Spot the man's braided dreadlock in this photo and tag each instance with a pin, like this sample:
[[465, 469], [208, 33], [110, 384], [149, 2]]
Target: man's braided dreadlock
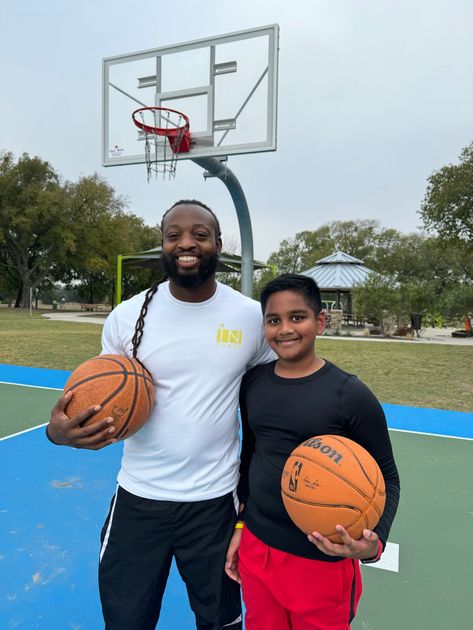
[[140, 323]]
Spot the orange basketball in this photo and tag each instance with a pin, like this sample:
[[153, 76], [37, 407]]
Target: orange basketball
[[330, 480], [121, 385]]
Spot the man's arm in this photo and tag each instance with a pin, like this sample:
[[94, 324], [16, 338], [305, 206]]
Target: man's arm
[[65, 431]]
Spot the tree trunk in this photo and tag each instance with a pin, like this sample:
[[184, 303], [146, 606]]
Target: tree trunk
[[26, 293], [18, 296]]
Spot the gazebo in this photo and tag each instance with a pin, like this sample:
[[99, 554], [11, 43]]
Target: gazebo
[[338, 274], [151, 259]]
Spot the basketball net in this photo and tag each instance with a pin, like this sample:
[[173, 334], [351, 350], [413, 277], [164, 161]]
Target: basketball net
[[166, 134]]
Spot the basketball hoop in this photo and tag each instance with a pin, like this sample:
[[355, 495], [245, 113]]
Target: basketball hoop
[[166, 134]]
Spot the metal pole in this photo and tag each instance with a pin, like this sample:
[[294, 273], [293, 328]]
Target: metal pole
[[31, 301], [217, 168]]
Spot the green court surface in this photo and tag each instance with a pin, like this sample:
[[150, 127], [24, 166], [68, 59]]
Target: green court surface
[[425, 579], [24, 407], [433, 589]]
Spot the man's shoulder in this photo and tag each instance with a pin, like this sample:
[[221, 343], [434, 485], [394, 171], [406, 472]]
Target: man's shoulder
[[243, 301], [130, 306]]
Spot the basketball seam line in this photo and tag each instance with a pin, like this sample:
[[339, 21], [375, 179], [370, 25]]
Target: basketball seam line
[[370, 499], [105, 357], [327, 505], [334, 438], [124, 428]]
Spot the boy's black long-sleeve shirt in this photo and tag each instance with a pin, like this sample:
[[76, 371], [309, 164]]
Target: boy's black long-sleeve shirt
[[280, 413]]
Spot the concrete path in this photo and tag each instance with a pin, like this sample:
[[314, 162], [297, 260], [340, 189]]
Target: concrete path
[[429, 335], [83, 318]]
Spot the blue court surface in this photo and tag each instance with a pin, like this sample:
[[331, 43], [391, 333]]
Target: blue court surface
[[53, 502]]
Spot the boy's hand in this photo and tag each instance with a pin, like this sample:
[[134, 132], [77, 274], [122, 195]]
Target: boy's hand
[[67, 431], [231, 564], [364, 548]]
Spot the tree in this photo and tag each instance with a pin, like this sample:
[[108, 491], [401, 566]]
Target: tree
[[34, 227], [378, 299], [102, 230], [364, 239], [448, 204], [291, 257]]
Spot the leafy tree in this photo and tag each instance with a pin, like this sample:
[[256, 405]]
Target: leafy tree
[[378, 298], [448, 204], [426, 268], [364, 239], [102, 230], [456, 302], [292, 255], [34, 227]]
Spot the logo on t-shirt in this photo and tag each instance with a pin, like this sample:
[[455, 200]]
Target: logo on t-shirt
[[227, 338]]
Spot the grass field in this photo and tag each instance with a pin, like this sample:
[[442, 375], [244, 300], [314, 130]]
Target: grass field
[[405, 373], [39, 342]]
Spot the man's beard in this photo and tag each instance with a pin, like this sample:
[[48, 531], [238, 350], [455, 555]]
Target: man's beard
[[206, 270]]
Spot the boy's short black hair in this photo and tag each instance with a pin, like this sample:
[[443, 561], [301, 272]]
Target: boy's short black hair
[[304, 285]]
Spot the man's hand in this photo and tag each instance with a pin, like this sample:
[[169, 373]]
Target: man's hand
[[364, 548], [231, 564], [67, 431]]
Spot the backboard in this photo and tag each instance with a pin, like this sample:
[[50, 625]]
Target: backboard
[[226, 85]]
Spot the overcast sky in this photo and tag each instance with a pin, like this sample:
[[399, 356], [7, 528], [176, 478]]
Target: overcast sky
[[373, 97]]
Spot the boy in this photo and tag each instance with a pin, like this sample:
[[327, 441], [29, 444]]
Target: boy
[[290, 581]]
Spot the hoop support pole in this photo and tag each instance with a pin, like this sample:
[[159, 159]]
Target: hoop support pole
[[219, 169]]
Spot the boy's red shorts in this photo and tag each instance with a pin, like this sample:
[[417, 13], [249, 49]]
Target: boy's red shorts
[[282, 591]]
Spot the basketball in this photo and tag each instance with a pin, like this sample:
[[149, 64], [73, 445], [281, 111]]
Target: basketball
[[330, 480], [121, 385]]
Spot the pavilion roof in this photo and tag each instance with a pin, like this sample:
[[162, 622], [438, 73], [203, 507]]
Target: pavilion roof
[[339, 272]]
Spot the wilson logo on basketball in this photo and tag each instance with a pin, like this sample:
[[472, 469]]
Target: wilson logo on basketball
[[327, 450], [330, 492]]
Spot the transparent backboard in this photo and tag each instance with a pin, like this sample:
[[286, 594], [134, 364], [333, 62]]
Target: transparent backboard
[[226, 85]]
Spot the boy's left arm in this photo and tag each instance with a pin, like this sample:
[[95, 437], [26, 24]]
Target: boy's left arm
[[366, 425]]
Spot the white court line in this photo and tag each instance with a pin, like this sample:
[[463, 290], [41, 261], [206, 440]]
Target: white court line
[[389, 560], [38, 426], [452, 437], [32, 386]]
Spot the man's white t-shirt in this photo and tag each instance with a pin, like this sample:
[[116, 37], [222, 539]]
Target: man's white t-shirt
[[197, 354]]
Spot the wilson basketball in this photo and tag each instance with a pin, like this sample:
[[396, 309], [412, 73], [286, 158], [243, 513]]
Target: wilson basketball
[[330, 480], [121, 385]]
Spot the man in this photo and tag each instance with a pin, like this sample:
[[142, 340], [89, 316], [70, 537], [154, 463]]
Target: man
[[176, 485]]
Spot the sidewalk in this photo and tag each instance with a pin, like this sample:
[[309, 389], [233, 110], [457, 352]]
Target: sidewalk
[[429, 335], [83, 318]]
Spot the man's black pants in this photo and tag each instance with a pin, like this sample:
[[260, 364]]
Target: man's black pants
[[139, 539]]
